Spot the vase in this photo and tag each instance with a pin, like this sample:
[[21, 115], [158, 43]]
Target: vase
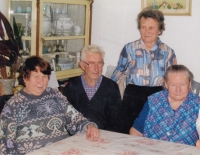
[[7, 85], [77, 31]]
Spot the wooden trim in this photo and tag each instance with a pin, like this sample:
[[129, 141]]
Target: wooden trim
[[68, 73], [90, 28], [37, 27]]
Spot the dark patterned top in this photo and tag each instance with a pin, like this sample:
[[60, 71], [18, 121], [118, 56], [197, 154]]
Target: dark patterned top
[[30, 122]]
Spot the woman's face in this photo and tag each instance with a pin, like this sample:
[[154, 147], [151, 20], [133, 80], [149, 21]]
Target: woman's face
[[36, 83], [178, 86], [149, 30]]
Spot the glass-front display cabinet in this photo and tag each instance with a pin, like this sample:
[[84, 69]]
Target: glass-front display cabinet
[[56, 30], [23, 12]]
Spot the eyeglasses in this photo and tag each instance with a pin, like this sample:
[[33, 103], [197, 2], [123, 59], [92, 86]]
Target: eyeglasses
[[93, 64]]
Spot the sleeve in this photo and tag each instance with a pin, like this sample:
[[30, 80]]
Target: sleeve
[[112, 109], [75, 122], [67, 92], [139, 122], [198, 124], [122, 65], [172, 59], [8, 127]]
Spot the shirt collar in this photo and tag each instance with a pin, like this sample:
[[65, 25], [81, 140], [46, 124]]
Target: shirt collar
[[156, 45], [95, 86]]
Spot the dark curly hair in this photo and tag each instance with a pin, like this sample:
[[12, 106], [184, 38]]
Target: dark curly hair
[[154, 14], [30, 64]]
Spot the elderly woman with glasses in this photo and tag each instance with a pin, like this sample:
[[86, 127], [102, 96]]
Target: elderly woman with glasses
[[171, 114], [92, 94]]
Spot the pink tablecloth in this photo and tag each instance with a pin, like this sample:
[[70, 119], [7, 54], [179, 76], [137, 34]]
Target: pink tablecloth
[[111, 143]]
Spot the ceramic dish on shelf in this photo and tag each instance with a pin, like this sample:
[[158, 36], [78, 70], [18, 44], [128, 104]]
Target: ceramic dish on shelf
[[64, 23], [65, 32], [19, 9], [65, 63], [64, 19], [62, 15], [66, 66]]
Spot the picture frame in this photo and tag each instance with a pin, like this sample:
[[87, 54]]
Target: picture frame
[[169, 7]]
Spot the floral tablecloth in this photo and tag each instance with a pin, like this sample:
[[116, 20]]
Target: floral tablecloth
[[112, 143]]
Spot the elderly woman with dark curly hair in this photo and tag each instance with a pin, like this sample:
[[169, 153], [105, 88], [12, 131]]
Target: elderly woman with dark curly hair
[[37, 115]]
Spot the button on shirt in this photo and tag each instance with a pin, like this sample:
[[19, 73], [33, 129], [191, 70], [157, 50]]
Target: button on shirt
[[90, 91], [144, 67]]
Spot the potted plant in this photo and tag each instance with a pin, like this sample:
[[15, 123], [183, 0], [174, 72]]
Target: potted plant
[[9, 50]]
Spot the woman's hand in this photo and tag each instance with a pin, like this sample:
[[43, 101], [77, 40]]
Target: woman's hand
[[198, 144], [92, 132]]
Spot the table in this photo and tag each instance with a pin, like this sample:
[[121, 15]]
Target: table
[[112, 143]]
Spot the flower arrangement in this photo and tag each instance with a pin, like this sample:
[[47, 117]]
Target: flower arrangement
[[9, 48]]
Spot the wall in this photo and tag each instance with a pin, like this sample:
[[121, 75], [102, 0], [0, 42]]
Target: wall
[[3, 6], [114, 24]]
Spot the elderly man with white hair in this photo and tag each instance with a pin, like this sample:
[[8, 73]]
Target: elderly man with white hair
[[94, 95]]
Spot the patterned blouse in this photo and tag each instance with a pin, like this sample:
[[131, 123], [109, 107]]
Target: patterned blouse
[[30, 122], [144, 67], [166, 124]]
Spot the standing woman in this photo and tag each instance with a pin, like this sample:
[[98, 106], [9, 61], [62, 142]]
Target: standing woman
[[145, 62]]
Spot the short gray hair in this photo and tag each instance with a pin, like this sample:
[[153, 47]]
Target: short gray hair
[[154, 14], [91, 49], [178, 68]]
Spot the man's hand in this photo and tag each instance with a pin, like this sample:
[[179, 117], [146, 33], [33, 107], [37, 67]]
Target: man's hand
[[92, 132], [198, 144]]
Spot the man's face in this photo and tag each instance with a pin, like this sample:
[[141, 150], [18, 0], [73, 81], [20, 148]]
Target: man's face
[[178, 86], [92, 66]]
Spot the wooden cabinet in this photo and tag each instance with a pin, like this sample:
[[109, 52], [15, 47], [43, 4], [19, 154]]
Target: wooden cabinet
[[56, 30]]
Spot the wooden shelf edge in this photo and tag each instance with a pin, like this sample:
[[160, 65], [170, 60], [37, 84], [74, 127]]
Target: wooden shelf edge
[[68, 73]]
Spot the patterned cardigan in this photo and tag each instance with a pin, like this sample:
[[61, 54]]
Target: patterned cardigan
[[30, 122]]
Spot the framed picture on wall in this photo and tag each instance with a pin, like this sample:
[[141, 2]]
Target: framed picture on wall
[[169, 7]]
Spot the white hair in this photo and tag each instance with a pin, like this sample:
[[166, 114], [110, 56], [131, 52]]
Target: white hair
[[91, 49]]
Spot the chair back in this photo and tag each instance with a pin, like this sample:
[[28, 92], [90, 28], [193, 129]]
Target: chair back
[[196, 87], [110, 70]]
